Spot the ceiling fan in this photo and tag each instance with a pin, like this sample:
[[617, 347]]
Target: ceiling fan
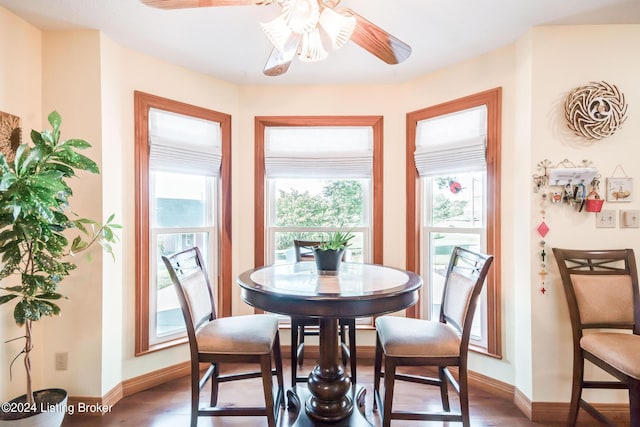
[[296, 31]]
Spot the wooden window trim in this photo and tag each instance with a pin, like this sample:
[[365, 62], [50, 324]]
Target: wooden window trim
[[142, 103], [493, 100], [375, 122]]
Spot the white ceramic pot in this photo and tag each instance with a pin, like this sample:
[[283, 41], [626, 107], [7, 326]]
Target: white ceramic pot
[[51, 404]]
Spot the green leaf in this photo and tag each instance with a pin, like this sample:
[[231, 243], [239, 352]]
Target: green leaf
[[6, 298], [55, 120], [50, 295], [76, 143]]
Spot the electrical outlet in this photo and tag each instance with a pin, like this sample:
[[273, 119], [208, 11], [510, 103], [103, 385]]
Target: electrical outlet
[[62, 361], [629, 218], [606, 219]]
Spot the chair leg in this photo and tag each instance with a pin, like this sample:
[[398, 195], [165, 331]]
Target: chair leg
[[294, 352], [343, 343], [444, 392], [377, 368], [277, 355], [576, 389], [463, 383], [215, 384], [267, 385], [389, 380], [301, 347], [634, 403], [353, 356], [195, 392]]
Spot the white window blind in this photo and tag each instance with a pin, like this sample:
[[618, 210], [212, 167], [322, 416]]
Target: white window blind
[[319, 152], [184, 144], [452, 143]]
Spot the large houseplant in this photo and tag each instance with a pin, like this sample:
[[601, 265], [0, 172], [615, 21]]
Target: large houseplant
[[329, 253], [35, 248]]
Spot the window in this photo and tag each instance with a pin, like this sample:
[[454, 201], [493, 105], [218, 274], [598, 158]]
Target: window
[[318, 181], [182, 158], [314, 175], [453, 200]]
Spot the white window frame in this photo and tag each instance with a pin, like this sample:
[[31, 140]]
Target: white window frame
[[427, 249], [211, 230]]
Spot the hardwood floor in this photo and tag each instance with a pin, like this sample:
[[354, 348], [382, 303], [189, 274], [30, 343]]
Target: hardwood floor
[[167, 405]]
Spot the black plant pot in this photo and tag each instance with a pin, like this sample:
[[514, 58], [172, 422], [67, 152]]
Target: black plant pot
[[328, 261]]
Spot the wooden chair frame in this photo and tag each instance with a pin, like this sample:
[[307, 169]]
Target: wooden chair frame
[[190, 261], [598, 262], [305, 326], [474, 267]]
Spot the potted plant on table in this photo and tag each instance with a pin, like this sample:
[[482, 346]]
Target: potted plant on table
[[35, 250], [330, 252]]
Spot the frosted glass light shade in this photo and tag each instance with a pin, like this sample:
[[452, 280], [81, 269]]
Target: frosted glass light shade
[[278, 32], [312, 49], [339, 27]]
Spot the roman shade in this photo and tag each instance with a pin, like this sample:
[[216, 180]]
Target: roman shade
[[184, 144]]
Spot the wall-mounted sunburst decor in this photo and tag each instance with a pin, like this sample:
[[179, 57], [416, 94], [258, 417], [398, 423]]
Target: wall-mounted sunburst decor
[[10, 135], [596, 110]]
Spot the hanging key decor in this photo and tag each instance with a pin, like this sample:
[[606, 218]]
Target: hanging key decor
[[543, 230], [562, 184]]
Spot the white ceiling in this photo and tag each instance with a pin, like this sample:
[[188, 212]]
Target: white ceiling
[[227, 42]]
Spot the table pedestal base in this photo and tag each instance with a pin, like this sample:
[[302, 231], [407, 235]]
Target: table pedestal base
[[299, 395]]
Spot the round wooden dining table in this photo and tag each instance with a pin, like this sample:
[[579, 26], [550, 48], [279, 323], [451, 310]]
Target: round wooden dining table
[[359, 290]]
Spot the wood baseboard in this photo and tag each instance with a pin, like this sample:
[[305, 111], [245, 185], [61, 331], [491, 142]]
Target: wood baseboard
[[99, 406], [555, 412]]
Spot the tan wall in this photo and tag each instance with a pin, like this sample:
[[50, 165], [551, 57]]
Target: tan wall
[[20, 92], [534, 78]]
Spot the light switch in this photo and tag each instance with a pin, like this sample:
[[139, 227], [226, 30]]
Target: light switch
[[606, 219], [629, 218]]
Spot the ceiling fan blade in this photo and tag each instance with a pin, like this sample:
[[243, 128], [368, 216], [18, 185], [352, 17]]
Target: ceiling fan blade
[[377, 41], [183, 4], [278, 62]]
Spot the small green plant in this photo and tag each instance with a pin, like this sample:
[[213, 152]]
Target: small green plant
[[34, 221], [337, 240]]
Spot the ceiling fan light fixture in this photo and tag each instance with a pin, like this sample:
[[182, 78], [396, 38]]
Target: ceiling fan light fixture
[[278, 32], [312, 49], [338, 27], [302, 16]]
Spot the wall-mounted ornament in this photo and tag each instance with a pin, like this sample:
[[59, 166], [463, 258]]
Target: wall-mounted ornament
[[10, 135], [596, 110], [619, 188]]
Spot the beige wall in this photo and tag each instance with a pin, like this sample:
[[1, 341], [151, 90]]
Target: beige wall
[[536, 72], [20, 95]]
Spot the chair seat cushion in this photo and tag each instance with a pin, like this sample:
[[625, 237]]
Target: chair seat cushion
[[252, 334], [405, 337], [622, 351]]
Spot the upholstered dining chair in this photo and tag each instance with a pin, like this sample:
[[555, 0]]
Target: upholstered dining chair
[[213, 340], [304, 326], [601, 287], [403, 341]]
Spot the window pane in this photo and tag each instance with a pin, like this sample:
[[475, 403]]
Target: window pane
[[180, 200], [285, 252], [440, 248], [168, 314], [457, 201], [320, 202]]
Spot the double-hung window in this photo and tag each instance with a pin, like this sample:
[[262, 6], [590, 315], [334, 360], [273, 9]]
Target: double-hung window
[[319, 180], [182, 157], [455, 146], [315, 175]]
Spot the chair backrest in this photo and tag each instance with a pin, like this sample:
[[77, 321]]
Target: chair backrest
[[601, 287], [304, 249], [463, 283], [192, 286]]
